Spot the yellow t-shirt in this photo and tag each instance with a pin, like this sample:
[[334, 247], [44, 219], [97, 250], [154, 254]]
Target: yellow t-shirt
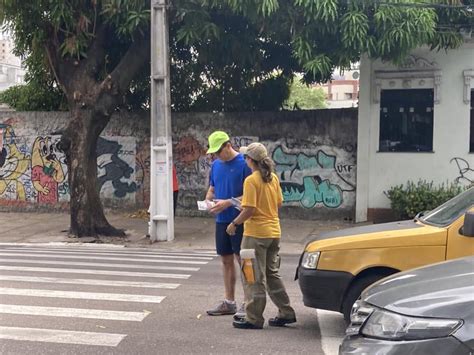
[[265, 197]]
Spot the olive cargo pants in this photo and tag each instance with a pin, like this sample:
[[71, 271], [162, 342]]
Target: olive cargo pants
[[266, 273]]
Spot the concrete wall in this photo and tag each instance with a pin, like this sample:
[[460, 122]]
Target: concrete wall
[[315, 153], [32, 162], [450, 159]]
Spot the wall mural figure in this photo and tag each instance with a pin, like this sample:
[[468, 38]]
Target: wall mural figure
[[310, 180], [466, 173], [13, 164], [114, 169], [46, 169]]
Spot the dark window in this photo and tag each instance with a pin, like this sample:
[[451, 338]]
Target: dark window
[[471, 140], [406, 120]]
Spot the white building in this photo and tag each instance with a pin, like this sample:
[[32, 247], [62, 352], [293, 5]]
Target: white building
[[343, 89], [415, 122], [11, 70]]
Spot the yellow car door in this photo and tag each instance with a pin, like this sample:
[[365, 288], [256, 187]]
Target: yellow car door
[[458, 244]]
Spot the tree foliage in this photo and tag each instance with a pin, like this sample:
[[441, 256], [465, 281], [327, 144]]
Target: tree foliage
[[233, 55], [324, 34], [304, 97], [93, 51]]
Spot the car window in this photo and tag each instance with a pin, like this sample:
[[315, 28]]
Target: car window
[[449, 211]]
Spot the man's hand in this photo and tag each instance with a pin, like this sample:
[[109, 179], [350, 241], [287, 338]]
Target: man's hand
[[220, 206], [231, 229]]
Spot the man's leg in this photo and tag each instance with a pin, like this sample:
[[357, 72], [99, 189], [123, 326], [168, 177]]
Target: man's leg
[[175, 201], [228, 268], [224, 249]]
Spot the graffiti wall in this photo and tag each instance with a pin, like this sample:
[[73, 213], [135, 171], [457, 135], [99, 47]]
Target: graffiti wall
[[314, 152], [33, 169]]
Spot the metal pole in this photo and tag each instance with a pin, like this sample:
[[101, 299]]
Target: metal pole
[[161, 226]]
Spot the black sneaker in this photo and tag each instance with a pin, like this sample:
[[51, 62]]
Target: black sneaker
[[281, 322], [243, 324]]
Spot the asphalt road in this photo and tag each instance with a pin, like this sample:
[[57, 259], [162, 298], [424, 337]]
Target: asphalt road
[[94, 300]]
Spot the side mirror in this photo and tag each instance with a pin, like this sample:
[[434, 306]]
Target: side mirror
[[468, 227]]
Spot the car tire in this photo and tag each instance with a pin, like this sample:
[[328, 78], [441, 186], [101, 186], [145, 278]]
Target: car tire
[[354, 292]]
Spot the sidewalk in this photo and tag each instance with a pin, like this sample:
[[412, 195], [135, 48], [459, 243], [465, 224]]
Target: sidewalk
[[190, 232]]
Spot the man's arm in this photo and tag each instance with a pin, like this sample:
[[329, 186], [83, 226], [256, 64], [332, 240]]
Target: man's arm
[[210, 193]]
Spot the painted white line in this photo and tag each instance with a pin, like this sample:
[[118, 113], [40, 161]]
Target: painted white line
[[94, 282], [73, 313], [46, 255], [143, 257], [121, 297], [179, 255], [332, 329], [106, 265], [61, 336], [94, 272], [67, 244]]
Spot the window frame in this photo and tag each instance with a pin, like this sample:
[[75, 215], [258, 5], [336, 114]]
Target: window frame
[[409, 93]]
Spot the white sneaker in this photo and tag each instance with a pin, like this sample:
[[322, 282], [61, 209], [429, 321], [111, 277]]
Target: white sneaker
[[241, 312]]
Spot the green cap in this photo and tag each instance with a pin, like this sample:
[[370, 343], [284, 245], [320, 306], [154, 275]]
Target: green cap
[[216, 139]]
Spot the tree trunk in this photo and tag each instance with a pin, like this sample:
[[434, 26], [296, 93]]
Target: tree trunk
[[79, 143]]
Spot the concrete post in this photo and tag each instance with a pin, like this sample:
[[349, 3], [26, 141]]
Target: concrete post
[[161, 227]]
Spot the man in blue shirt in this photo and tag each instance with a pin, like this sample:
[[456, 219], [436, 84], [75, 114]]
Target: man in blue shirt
[[226, 181]]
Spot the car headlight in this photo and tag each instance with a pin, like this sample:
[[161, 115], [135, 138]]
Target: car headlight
[[383, 324], [359, 314], [310, 260]]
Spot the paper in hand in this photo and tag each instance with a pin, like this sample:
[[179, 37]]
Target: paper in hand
[[236, 203], [205, 205]]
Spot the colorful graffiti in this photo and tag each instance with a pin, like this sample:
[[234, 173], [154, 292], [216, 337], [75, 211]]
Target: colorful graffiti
[[466, 173], [309, 177], [312, 179], [188, 150], [14, 165], [46, 170], [33, 169]]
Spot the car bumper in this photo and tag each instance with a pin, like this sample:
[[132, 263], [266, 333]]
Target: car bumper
[[358, 345], [323, 289]]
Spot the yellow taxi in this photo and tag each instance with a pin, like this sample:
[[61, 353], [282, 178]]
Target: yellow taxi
[[336, 267]]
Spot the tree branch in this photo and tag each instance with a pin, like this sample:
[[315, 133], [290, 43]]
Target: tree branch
[[116, 84], [96, 53], [137, 55], [62, 68]]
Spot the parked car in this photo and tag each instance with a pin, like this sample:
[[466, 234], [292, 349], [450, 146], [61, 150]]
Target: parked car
[[336, 267], [429, 310]]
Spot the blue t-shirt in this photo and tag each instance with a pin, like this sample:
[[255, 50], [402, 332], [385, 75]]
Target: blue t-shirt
[[228, 177]]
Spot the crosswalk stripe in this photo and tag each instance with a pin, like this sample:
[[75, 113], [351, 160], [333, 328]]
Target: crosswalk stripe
[[72, 312], [92, 252], [106, 265], [81, 295], [121, 251], [61, 336], [107, 258], [94, 282], [94, 272]]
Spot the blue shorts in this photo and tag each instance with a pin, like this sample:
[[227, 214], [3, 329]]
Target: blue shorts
[[225, 243]]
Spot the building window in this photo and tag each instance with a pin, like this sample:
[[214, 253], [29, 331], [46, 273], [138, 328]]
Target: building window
[[406, 120], [471, 140]]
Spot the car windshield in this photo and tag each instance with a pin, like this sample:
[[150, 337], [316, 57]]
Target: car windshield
[[450, 210]]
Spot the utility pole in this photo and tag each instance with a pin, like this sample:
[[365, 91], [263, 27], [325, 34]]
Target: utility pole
[[161, 226]]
